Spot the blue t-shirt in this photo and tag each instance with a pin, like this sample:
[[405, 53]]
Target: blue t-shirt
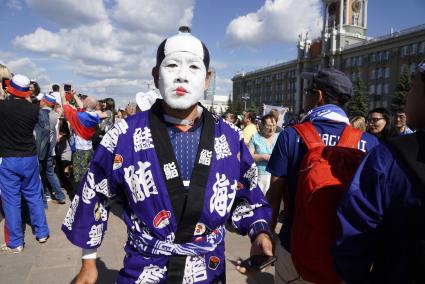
[[185, 146], [289, 151], [260, 146]]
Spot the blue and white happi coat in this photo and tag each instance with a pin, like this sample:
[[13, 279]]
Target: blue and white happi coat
[[174, 235]]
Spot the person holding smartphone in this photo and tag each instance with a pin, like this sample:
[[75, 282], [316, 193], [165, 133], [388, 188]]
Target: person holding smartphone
[[83, 122]]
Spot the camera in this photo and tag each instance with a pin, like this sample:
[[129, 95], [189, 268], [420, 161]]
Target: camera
[[67, 87]]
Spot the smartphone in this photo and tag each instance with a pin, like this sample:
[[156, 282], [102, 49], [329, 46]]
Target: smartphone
[[67, 87], [258, 262]]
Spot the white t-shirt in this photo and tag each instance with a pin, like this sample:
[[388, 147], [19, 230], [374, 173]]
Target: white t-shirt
[[82, 144]]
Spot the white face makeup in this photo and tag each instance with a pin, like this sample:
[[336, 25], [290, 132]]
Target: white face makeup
[[182, 78]]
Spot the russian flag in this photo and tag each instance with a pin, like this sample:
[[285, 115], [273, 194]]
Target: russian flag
[[82, 122]]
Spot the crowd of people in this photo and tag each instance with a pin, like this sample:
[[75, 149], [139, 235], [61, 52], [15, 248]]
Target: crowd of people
[[348, 190], [51, 138]]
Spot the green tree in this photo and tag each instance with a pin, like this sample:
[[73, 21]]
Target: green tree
[[403, 86], [253, 107], [359, 103], [237, 106], [230, 106]]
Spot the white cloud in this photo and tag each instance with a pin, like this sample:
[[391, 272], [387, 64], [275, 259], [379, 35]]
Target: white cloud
[[105, 49], [114, 88], [223, 86], [114, 47], [70, 13], [14, 4], [27, 67], [90, 43], [276, 21], [154, 16]]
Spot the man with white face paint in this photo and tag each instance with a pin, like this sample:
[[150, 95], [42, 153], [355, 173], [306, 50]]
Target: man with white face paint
[[183, 172]]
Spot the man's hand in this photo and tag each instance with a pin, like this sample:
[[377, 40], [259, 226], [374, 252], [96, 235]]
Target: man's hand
[[88, 272], [63, 97], [266, 157], [262, 245]]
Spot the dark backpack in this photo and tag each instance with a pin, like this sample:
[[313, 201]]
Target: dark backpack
[[324, 175]]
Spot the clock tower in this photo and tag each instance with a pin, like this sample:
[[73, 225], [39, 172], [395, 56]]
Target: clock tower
[[344, 24]]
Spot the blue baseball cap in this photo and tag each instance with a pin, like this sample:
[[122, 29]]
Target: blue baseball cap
[[332, 81]]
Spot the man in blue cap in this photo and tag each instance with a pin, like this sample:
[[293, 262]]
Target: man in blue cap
[[329, 90]]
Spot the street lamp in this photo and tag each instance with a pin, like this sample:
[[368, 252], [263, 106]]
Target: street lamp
[[245, 98]]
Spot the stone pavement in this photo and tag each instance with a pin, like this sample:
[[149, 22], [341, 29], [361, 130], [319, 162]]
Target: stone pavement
[[58, 261]]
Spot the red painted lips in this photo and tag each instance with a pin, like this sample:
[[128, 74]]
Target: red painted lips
[[180, 91]]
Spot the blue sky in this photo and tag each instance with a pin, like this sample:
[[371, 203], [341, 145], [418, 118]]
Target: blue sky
[[107, 47]]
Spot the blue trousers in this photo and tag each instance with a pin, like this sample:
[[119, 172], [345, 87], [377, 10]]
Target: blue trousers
[[20, 176], [49, 175]]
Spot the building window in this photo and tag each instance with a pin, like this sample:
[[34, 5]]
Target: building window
[[387, 55], [347, 62], [373, 74], [404, 51], [372, 89], [379, 73], [414, 49], [412, 68], [422, 47], [378, 89], [387, 72], [386, 89], [373, 57], [279, 76], [359, 61]]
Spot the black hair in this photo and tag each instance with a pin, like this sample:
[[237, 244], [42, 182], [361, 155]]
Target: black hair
[[110, 105], [160, 55], [389, 130], [267, 116], [55, 88], [341, 100], [36, 88], [250, 115], [399, 110]]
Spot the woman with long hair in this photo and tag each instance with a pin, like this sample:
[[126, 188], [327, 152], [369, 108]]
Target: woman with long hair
[[107, 116], [381, 124]]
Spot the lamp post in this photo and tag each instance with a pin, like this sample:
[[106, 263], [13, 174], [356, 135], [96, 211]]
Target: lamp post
[[245, 98]]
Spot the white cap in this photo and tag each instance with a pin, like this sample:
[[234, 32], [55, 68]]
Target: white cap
[[186, 42]]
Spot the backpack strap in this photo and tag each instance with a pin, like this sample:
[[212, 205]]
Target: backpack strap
[[350, 137], [309, 135]]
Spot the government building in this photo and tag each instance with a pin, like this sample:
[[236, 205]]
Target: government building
[[344, 45]]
